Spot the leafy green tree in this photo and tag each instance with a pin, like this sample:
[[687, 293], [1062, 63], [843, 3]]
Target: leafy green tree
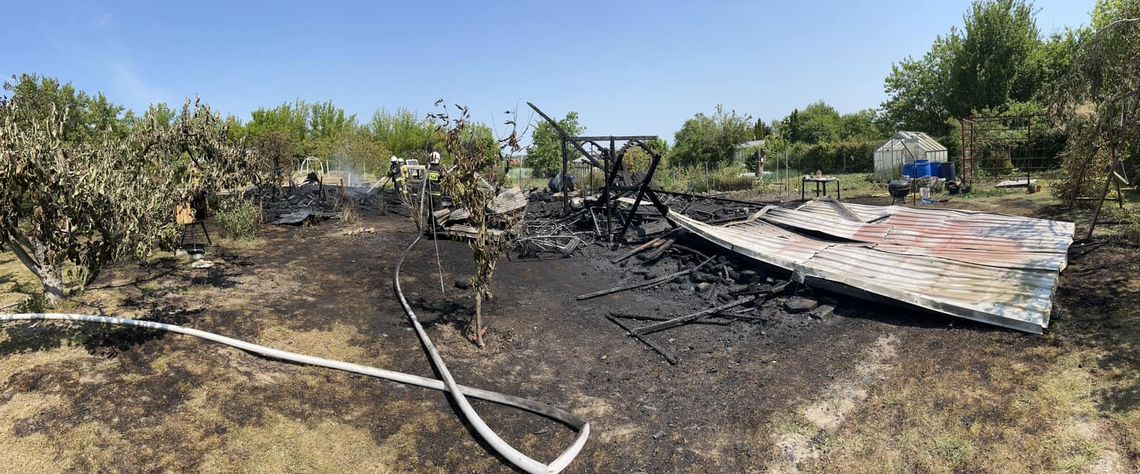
[[277, 137], [356, 150], [291, 119], [761, 130], [920, 89], [401, 132], [161, 114], [327, 123], [818, 123], [1097, 100], [790, 127], [861, 125], [544, 155], [84, 117], [637, 160], [993, 65], [997, 58], [710, 140]]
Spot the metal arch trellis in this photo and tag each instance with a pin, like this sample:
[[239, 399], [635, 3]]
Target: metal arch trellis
[[1016, 134]]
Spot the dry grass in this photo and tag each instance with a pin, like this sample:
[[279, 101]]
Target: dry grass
[[286, 445], [1011, 416], [336, 344], [16, 282]]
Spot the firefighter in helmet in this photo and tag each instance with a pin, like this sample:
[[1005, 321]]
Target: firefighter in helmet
[[394, 174], [434, 175]]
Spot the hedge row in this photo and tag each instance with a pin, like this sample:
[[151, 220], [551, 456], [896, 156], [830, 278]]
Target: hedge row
[[850, 156]]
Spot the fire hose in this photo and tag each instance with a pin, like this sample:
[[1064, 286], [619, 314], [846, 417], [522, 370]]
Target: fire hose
[[459, 393]]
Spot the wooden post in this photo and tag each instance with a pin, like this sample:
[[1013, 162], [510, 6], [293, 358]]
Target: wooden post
[[1103, 194], [1029, 157], [608, 197], [565, 193]]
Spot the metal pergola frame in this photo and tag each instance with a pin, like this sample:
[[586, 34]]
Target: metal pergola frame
[[617, 178]]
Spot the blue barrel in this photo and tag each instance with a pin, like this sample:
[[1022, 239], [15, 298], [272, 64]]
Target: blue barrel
[[922, 168], [908, 170], [947, 171], [935, 169]]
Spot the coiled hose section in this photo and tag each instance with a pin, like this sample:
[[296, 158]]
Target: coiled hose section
[[513, 455], [459, 393]]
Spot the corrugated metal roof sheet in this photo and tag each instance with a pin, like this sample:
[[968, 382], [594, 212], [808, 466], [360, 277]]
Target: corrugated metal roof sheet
[[986, 267]]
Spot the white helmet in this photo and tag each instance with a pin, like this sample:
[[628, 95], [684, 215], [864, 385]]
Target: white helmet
[[434, 158], [393, 159]]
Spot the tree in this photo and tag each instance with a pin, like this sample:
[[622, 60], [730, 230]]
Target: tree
[[327, 123], [401, 132], [761, 130], [637, 160], [993, 65], [160, 113], [277, 139], [861, 125], [790, 126], [272, 160], [60, 197], [291, 119], [712, 139], [474, 181], [817, 123], [544, 155], [920, 89], [998, 58], [79, 193], [88, 118], [356, 150], [197, 153], [1098, 99]]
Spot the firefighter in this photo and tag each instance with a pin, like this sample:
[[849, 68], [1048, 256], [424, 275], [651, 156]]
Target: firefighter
[[434, 174], [394, 174]]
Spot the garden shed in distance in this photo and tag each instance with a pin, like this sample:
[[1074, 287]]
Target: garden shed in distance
[[906, 147]]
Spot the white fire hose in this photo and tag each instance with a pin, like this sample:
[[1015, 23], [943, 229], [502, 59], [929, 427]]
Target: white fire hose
[[509, 400], [513, 455], [458, 392]]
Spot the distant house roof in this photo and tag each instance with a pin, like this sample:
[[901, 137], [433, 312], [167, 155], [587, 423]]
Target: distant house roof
[[751, 143]]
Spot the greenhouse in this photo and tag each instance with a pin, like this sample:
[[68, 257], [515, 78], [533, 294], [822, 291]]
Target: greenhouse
[[906, 148]]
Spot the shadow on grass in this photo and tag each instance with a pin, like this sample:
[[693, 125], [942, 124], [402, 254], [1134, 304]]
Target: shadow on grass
[[99, 339]]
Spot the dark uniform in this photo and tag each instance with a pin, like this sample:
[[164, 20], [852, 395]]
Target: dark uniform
[[394, 174], [435, 190]]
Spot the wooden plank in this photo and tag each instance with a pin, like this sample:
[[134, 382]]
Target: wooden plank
[[639, 249], [669, 357], [646, 317], [663, 325], [644, 284]]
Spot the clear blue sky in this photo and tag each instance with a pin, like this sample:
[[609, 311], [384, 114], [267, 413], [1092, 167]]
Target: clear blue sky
[[626, 67]]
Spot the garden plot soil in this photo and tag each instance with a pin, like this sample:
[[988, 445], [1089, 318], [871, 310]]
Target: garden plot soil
[[87, 398]]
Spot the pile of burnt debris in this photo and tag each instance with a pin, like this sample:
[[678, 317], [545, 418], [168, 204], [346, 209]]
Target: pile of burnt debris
[[732, 289], [314, 201], [577, 217]]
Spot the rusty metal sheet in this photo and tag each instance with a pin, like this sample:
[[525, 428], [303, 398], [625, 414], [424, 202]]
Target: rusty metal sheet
[[969, 236], [1003, 286]]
